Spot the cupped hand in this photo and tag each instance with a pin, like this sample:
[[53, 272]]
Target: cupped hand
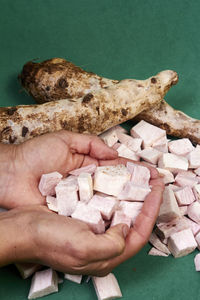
[[21, 166]]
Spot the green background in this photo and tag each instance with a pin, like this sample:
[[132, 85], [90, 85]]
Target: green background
[[116, 39]]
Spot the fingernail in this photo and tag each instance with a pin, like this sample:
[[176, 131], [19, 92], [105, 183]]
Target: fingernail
[[125, 231]]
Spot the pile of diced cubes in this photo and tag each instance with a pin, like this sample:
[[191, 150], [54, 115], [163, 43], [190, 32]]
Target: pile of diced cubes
[[108, 195]]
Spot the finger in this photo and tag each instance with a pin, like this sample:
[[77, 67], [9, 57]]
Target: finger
[[121, 160], [87, 144]]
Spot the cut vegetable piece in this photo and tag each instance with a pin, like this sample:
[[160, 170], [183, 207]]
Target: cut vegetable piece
[[147, 132], [109, 136], [156, 242], [172, 162], [111, 179], [197, 238], [131, 209], [196, 190], [89, 215], [126, 152], [106, 287], [184, 196], [27, 269], [48, 183], [87, 169], [85, 185], [155, 252], [168, 176], [43, 283], [74, 278], [67, 198], [120, 217], [133, 192], [193, 225], [183, 181], [140, 175], [197, 171], [194, 158], [180, 147], [194, 211], [106, 205], [182, 243], [52, 203], [197, 262], [169, 209], [133, 144], [150, 155], [161, 144], [183, 210], [164, 230]]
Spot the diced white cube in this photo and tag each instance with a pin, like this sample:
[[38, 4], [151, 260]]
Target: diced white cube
[[194, 158], [87, 169], [197, 171], [133, 144], [111, 179], [180, 146], [196, 190], [155, 252], [156, 242], [168, 176], [169, 209], [74, 278], [193, 225], [197, 262], [194, 211], [183, 210], [140, 175], [126, 152], [150, 155], [27, 269], [120, 217], [197, 238], [109, 136], [89, 215], [164, 230], [182, 180], [106, 205], [67, 198], [131, 209], [52, 203], [147, 132], [106, 287], [133, 192], [172, 162], [48, 183], [85, 185], [161, 144], [182, 243], [174, 187], [184, 196], [43, 283]]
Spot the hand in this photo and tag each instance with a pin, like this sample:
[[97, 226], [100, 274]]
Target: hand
[[35, 234], [21, 166]]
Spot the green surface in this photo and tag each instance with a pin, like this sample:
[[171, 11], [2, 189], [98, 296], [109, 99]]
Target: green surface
[[116, 39]]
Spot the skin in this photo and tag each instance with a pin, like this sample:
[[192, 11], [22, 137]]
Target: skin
[[31, 233]]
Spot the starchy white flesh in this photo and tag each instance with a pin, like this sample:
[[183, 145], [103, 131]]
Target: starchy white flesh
[[27, 269], [106, 287], [147, 132], [155, 252], [193, 225], [197, 171], [194, 211], [52, 203], [156, 242], [169, 209], [74, 278], [161, 144], [131, 209], [85, 185], [106, 205], [182, 243], [172, 162], [67, 198], [197, 238], [150, 155], [168, 176], [126, 152], [184, 196], [164, 230], [197, 262], [194, 158], [183, 181], [196, 190], [133, 192], [87, 169], [133, 144], [111, 179], [180, 147], [89, 215], [110, 136], [43, 283], [183, 210], [120, 217], [140, 175], [48, 183]]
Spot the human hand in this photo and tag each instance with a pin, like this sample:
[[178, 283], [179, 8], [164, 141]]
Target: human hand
[[61, 151]]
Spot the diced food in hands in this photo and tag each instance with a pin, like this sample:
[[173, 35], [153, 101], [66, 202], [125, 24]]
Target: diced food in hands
[[110, 136], [155, 252], [85, 185], [87, 169], [133, 192], [140, 175], [180, 147], [172, 162], [194, 158], [111, 179], [156, 242], [126, 152], [74, 278], [183, 180], [184, 196], [106, 287], [67, 198], [168, 177], [43, 283], [150, 155], [120, 217], [131, 209], [48, 183], [105, 204], [164, 230], [161, 144], [52, 203], [182, 243], [133, 144]]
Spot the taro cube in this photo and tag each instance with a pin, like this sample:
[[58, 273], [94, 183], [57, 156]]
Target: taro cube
[[150, 155], [169, 209], [87, 169], [182, 180], [48, 183], [193, 225], [164, 230], [131, 209], [181, 146], [89, 215], [182, 243], [155, 252], [194, 211], [184, 196], [172, 162], [133, 144], [197, 238], [120, 217], [106, 205], [27, 269], [197, 262], [52, 203], [194, 158], [196, 190], [140, 175], [109, 136], [126, 152], [74, 278], [85, 185], [147, 132], [168, 176], [106, 287], [133, 192], [67, 198], [156, 242], [161, 144], [111, 179], [43, 283]]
